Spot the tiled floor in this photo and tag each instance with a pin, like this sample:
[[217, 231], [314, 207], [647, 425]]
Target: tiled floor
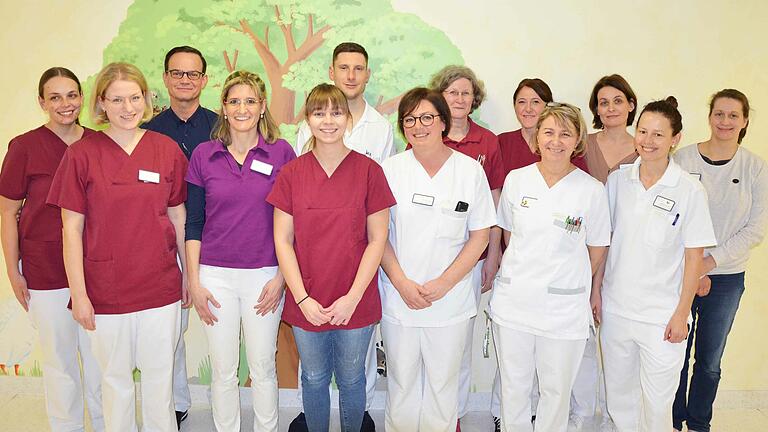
[[23, 410]]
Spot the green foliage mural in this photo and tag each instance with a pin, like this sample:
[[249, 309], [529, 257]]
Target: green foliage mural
[[289, 43]]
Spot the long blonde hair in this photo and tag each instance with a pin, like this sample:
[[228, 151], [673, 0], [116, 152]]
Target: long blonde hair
[[319, 98], [267, 126]]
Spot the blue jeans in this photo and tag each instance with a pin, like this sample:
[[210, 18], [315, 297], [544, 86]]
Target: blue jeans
[[712, 321], [341, 353]]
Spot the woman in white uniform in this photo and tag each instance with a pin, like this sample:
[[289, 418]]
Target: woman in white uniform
[[556, 224], [661, 225], [438, 229]]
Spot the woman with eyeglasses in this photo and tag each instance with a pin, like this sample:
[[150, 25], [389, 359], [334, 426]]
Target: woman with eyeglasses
[[232, 267], [438, 229], [331, 213], [464, 93], [661, 225], [32, 249], [121, 193], [556, 226], [736, 181]]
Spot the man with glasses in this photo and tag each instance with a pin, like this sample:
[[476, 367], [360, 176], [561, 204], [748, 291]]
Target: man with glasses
[[368, 133], [189, 124]]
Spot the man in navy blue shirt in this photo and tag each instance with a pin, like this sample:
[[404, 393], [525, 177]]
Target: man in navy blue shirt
[[189, 124]]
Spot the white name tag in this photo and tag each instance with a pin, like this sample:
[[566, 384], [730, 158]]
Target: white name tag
[[261, 167], [149, 176], [425, 200], [697, 175], [663, 203], [528, 202]]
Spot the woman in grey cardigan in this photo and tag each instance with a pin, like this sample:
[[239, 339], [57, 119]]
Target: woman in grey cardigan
[[736, 181]]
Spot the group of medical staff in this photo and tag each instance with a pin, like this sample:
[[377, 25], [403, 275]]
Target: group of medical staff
[[582, 240]]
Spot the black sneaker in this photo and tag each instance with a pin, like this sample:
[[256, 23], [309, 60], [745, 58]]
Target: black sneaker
[[368, 424], [299, 424], [180, 417], [496, 424]]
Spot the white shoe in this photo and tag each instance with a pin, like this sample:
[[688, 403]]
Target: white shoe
[[575, 422]]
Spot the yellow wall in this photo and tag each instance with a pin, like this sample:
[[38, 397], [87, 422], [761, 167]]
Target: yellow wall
[[686, 48]]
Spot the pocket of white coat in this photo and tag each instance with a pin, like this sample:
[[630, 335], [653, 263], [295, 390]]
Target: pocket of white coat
[[659, 231], [568, 302], [452, 224]]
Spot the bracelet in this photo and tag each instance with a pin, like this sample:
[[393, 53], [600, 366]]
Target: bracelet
[[302, 300]]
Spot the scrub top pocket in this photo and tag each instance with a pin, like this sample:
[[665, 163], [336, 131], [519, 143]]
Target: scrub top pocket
[[452, 225], [659, 231]]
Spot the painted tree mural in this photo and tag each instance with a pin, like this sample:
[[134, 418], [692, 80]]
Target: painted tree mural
[[289, 43]]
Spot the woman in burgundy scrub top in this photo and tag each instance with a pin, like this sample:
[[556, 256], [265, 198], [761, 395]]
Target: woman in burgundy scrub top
[[331, 217], [40, 285], [121, 194]]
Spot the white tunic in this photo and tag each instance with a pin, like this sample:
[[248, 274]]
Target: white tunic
[[427, 233], [651, 229], [545, 276], [372, 136]]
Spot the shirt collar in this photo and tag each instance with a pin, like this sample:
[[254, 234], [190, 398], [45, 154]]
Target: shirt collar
[[262, 146], [193, 120], [671, 174], [474, 134]]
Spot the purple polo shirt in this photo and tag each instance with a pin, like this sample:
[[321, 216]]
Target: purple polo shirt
[[238, 221]]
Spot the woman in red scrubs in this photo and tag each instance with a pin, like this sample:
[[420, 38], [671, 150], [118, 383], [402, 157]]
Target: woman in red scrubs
[[121, 194], [331, 217], [40, 285]]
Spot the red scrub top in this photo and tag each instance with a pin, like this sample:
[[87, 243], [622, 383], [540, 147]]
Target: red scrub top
[[129, 243], [330, 235], [27, 173], [515, 153]]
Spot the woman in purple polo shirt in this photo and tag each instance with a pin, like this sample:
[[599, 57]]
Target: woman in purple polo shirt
[[233, 273]]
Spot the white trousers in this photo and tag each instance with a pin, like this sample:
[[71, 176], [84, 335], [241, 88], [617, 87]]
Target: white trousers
[[521, 356], [477, 327], [182, 400], [238, 291], [642, 372], [423, 366], [589, 389], [61, 339], [145, 340]]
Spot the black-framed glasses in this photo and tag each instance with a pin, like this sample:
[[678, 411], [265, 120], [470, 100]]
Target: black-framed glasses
[[425, 119], [179, 74]]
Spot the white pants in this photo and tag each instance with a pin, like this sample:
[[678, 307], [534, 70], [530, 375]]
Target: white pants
[[589, 389], [521, 356], [182, 400], [61, 339], [238, 291], [145, 340], [465, 375], [422, 376], [642, 372]]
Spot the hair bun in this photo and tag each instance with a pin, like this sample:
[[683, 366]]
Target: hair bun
[[671, 100]]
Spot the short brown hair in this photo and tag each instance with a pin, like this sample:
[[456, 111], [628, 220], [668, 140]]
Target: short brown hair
[[349, 47], [735, 95], [537, 85], [447, 75], [117, 72], [267, 126], [565, 115], [411, 100], [619, 83]]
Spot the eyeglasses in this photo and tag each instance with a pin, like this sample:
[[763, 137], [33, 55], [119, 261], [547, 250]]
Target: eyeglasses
[[249, 102], [456, 94], [119, 100], [425, 119], [179, 74]]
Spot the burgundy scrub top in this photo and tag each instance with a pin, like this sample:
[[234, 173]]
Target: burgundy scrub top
[[330, 235], [129, 243], [28, 169]]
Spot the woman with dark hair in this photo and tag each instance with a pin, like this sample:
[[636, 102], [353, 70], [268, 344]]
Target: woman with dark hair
[[230, 249], [440, 227], [331, 215], [736, 181], [32, 247], [661, 225], [121, 192]]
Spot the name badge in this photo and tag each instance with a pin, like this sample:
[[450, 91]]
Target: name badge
[[149, 176], [528, 202], [261, 167], [697, 175], [663, 203], [424, 200]]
